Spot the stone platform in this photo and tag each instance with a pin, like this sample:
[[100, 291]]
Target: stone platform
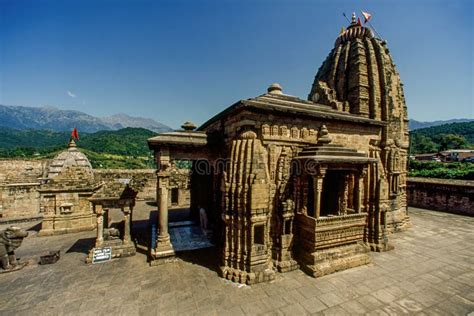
[[430, 272]]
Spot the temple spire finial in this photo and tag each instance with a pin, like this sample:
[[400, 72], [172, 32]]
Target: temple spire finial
[[354, 18], [71, 145], [323, 136]]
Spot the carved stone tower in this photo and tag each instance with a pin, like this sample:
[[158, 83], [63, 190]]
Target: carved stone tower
[[359, 77]]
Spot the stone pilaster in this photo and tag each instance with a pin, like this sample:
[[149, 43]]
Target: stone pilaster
[[99, 211], [164, 248], [318, 181], [359, 189], [127, 238]]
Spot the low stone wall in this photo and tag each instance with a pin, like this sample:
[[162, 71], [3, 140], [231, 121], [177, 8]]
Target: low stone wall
[[179, 183], [22, 170], [452, 196], [146, 176], [19, 182], [19, 200]]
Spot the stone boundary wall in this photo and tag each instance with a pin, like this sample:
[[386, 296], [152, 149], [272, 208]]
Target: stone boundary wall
[[452, 196], [20, 180], [146, 176], [19, 200], [22, 170]]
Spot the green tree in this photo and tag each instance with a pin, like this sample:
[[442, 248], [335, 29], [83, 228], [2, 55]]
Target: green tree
[[452, 141], [421, 144]]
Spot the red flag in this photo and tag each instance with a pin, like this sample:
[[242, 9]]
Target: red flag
[[75, 134], [359, 22], [367, 16]]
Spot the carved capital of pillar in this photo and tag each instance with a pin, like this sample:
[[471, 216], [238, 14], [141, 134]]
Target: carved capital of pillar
[[321, 172], [100, 230], [98, 210], [163, 175], [163, 161], [363, 172]]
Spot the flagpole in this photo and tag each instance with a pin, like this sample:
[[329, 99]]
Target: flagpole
[[344, 14], [372, 27]]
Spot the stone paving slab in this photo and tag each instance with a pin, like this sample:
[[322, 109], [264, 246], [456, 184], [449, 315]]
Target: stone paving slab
[[188, 236], [430, 272]]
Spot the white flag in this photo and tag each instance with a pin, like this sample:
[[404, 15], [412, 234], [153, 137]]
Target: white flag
[[367, 16]]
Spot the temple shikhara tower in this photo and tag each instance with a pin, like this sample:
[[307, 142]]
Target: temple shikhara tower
[[289, 183]]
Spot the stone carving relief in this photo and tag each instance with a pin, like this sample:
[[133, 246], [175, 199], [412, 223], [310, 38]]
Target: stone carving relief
[[283, 132]]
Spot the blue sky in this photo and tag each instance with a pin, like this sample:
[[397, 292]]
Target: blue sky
[[189, 59]]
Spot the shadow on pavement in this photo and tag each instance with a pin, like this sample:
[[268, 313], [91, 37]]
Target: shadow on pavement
[[205, 257], [82, 245]]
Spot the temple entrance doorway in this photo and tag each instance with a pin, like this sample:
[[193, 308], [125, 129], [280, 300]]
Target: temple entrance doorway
[[333, 192], [190, 197]]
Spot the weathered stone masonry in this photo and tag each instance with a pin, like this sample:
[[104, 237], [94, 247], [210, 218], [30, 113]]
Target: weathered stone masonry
[[19, 183], [20, 180], [453, 196], [311, 183]]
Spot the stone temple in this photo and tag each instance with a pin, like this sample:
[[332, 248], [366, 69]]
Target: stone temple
[[289, 183], [65, 194]]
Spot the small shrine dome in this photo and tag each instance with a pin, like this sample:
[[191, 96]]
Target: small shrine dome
[[68, 158]]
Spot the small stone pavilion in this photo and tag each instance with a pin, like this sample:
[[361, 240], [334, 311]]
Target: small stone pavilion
[[114, 196], [64, 197], [289, 183]]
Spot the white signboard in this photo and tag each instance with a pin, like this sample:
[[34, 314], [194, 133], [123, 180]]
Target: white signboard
[[102, 255]]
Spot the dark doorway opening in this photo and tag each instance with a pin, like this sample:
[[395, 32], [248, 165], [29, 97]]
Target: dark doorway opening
[[175, 196], [332, 183]]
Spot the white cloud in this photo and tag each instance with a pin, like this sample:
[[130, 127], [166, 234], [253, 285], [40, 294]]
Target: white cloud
[[72, 95]]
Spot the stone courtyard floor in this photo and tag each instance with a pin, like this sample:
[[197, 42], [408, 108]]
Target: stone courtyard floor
[[430, 272]]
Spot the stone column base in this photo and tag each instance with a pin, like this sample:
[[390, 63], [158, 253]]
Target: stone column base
[[287, 265], [119, 249], [249, 278], [327, 261], [381, 247], [398, 221], [162, 253]]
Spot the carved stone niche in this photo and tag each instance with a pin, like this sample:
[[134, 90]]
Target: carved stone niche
[[65, 208], [275, 130], [266, 130]]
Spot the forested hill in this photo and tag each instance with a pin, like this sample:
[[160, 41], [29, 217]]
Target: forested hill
[[104, 148], [51, 118], [414, 124], [442, 137]]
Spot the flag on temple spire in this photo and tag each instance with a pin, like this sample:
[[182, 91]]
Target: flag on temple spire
[[359, 22], [75, 134], [367, 16], [342, 30]]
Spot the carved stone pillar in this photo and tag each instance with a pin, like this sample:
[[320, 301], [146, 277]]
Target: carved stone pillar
[[318, 188], [163, 180], [131, 216], [344, 195], [100, 225], [358, 189], [126, 225], [164, 248], [163, 243]]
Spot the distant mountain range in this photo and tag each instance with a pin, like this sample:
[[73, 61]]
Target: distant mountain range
[[413, 124], [50, 118], [54, 119]]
